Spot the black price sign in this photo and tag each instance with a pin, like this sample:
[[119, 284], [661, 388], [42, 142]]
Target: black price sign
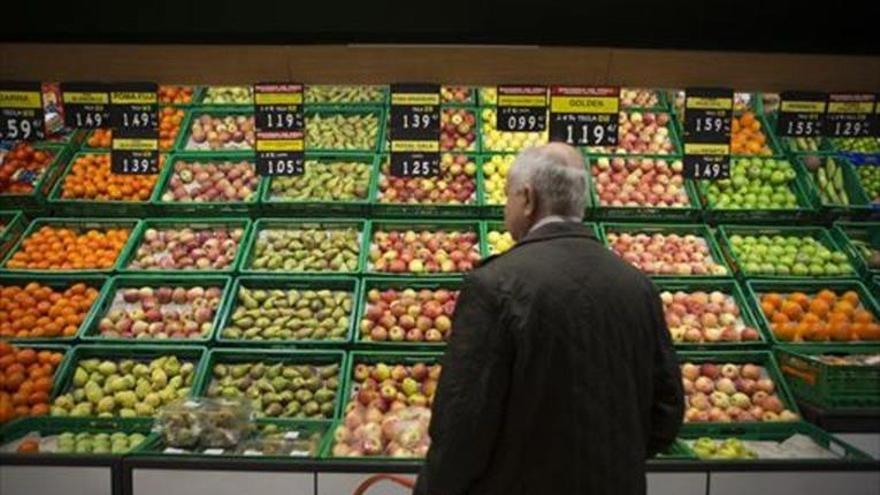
[[280, 153], [414, 127], [708, 114], [415, 164], [280, 143], [278, 107], [415, 112], [21, 111], [521, 109], [134, 106], [582, 116], [801, 114], [134, 115], [134, 152], [86, 105], [850, 115]]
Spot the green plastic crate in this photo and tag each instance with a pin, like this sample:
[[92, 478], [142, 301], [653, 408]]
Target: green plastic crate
[[183, 137], [270, 282], [89, 330], [804, 210], [470, 101], [206, 208], [13, 226], [177, 223], [761, 358], [330, 110], [84, 147], [796, 146], [310, 98], [662, 104], [396, 209], [246, 267], [674, 133], [196, 95], [155, 445], [690, 212], [61, 370], [849, 235], [858, 203], [36, 200], [728, 287], [756, 288], [373, 357], [203, 92], [774, 432], [49, 426], [725, 232], [699, 230], [57, 283], [830, 386], [80, 223], [374, 226], [488, 226], [77, 207], [483, 125], [65, 137], [277, 206], [490, 209], [191, 354], [400, 283], [232, 356]]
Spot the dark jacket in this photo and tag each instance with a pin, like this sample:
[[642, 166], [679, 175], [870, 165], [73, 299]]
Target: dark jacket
[[559, 378]]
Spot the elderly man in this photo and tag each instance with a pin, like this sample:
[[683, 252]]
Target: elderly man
[[560, 378]]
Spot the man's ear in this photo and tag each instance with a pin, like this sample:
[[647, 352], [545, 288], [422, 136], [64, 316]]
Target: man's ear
[[530, 206]]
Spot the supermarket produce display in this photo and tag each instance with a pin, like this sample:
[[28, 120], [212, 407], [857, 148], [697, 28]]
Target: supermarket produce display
[[211, 316]]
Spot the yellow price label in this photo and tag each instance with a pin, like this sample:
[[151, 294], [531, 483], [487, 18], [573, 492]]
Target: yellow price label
[[415, 146], [21, 99], [280, 145], [706, 149], [135, 144]]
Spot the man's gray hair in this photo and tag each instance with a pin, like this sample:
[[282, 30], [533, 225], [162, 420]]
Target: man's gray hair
[[560, 186]]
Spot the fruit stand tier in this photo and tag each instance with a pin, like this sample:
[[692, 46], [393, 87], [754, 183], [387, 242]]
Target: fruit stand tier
[[855, 420]]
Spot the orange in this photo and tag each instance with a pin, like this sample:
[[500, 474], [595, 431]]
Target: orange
[[828, 296], [852, 297], [780, 318], [844, 307], [786, 332], [793, 310], [768, 309], [801, 299], [839, 331], [863, 316], [819, 307], [772, 298]]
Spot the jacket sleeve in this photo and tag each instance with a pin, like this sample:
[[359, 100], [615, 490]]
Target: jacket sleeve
[[470, 397], [667, 410]]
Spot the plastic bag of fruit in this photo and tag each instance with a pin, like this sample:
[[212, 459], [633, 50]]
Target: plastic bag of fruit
[[208, 423]]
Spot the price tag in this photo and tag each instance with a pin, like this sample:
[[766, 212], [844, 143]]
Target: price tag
[[278, 107], [173, 450], [521, 109], [134, 152], [801, 114], [708, 114], [280, 153], [291, 435], [300, 453], [86, 105], [21, 111], [414, 128], [134, 114], [213, 451], [850, 115], [280, 138], [582, 116]]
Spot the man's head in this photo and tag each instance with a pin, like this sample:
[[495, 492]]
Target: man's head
[[543, 181]]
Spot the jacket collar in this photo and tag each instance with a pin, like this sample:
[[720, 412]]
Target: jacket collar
[[556, 230]]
